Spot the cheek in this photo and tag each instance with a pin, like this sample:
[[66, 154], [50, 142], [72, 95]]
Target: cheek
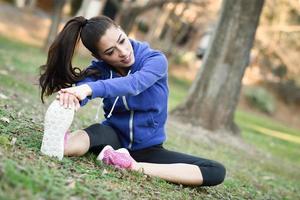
[[129, 45], [111, 59]]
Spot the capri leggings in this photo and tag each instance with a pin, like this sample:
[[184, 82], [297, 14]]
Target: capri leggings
[[100, 135]]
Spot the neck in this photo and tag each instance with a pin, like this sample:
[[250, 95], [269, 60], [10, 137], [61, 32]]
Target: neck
[[122, 71]]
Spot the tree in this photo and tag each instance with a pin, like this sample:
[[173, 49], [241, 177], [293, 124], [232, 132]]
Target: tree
[[214, 94], [131, 11], [55, 20]]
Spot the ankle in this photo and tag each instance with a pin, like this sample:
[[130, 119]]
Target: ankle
[[137, 167]]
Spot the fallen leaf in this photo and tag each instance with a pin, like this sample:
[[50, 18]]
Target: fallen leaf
[[104, 172], [71, 183], [5, 119], [19, 113], [2, 96], [13, 141]]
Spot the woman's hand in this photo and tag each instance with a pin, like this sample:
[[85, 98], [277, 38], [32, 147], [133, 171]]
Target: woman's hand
[[81, 92], [68, 100], [70, 97]]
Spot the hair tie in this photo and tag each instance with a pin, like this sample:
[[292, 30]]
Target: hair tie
[[85, 22]]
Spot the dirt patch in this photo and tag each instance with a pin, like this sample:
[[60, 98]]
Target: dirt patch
[[208, 137]]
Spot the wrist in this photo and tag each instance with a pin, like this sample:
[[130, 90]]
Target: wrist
[[88, 90]]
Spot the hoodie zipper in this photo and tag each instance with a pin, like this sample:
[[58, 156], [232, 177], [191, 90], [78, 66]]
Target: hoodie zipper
[[130, 122], [127, 108]]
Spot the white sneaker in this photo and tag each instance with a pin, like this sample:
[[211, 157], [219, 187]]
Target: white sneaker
[[57, 122]]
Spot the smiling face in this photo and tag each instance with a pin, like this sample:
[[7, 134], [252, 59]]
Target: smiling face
[[115, 48]]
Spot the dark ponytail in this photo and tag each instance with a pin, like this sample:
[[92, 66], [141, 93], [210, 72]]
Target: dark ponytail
[[58, 72]]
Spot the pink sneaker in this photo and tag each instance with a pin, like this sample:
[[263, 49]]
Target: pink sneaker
[[119, 158], [66, 137]]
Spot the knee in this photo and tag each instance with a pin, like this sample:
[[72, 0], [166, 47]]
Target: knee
[[77, 144], [69, 150], [72, 151], [213, 174], [220, 173]]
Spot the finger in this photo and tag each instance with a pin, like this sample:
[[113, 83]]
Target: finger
[[66, 100], [77, 104], [61, 99], [71, 101], [68, 90]]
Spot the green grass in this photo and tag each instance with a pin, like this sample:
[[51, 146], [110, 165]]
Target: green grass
[[178, 91], [271, 172], [285, 150]]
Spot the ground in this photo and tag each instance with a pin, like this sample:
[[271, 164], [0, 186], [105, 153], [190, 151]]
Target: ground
[[261, 163]]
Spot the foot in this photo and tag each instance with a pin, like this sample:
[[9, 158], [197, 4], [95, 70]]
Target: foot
[[57, 122], [119, 158]]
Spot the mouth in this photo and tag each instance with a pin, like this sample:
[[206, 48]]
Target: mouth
[[127, 59]]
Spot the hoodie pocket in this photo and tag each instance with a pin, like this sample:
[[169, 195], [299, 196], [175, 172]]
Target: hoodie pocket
[[145, 128]]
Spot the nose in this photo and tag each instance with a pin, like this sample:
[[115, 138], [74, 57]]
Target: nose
[[122, 51]]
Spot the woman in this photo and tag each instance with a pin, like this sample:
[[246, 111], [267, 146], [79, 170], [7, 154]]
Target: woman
[[132, 79]]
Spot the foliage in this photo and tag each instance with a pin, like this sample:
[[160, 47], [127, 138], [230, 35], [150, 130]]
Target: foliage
[[289, 91], [143, 27], [278, 41], [75, 6], [9, 1], [261, 99], [182, 58]]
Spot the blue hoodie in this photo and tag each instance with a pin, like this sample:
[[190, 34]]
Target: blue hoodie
[[134, 105]]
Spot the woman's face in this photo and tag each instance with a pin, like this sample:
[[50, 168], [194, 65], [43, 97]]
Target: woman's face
[[115, 48]]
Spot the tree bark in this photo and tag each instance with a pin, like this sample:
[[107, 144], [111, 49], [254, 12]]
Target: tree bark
[[55, 20], [214, 94]]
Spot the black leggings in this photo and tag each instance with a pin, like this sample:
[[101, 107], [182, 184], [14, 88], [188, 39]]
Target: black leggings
[[100, 135]]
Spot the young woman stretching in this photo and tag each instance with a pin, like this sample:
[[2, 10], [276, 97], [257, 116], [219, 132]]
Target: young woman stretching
[[132, 80]]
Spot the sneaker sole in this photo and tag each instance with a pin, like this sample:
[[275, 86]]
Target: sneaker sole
[[57, 121]]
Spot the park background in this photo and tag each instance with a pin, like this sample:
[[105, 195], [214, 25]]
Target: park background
[[261, 155]]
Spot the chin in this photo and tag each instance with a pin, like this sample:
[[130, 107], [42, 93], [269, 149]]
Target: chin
[[129, 64]]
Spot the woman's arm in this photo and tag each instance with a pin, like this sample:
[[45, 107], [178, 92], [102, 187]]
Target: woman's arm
[[154, 69]]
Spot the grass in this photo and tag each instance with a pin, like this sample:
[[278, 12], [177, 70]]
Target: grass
[[271, 172]]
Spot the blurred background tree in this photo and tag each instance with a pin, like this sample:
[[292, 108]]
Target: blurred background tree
[[215, 92]]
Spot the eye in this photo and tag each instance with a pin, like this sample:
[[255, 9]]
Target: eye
[[110, 53], [122, 41]]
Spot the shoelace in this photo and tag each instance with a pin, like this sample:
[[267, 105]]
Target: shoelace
[[114, 104]]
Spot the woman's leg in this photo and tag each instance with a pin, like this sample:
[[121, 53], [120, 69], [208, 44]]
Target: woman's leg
[[93, 139], [186, 174], [178, 167], [77, 144]]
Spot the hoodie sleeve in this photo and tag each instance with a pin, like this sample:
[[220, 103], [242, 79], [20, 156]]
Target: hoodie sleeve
[[154, 68], [84, 81]]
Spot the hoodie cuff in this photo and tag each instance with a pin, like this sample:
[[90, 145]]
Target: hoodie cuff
[[98, 89]]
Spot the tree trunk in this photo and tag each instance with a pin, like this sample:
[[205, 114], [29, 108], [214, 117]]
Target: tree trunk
[[55, 20], [214, 94], [129, 14], [91, 8]]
